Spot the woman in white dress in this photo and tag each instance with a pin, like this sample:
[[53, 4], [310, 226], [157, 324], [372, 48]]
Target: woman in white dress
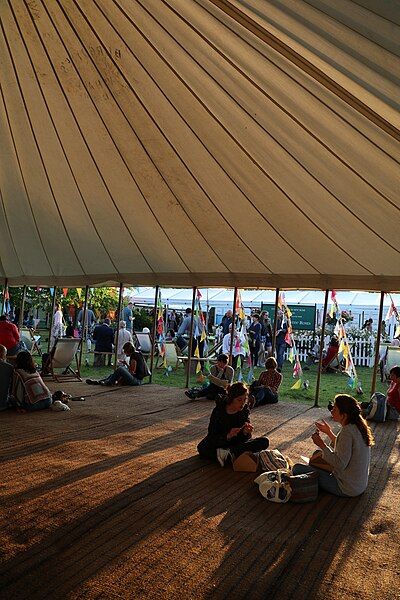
[[57, 329]]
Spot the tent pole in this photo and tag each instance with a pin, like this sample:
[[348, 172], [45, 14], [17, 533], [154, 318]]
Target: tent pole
[[22, 308], [84, 325], [275, 320], [53, 306], [190, 339], [235, 293], [153, 334], [121, 289], [321, 348], [4, 296], [378, 341]]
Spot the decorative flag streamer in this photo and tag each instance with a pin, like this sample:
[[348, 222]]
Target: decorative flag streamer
[[344, 346], [161, 335], [294, 356], [243, 340], [79, 292], [201, 330], [65, 292]]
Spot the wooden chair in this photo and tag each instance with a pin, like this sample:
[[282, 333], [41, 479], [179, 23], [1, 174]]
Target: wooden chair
[[144, 343], [391, 359], [62, 356], [335, 363], [32, 341]]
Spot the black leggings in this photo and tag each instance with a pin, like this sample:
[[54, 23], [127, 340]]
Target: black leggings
[[208, 449]]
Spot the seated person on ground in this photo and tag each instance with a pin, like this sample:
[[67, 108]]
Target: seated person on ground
[[348, 453], [221, 375], [130, 374], [29, 392], [230, 430], [9, 336], [6, 376], [265, 390]]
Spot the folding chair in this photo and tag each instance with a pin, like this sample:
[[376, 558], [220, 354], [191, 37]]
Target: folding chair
[[32, 341], [144, 343], [335, 363], [391, 359], [62, 356]]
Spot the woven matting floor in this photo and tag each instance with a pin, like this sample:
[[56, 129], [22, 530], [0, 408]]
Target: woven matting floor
[[110, 500]]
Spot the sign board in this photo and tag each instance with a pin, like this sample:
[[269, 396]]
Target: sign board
[[303, 316]]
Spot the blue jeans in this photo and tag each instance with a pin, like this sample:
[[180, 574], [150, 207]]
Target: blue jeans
[[326, 481], [125, 375], [46, 403], [280, 352]]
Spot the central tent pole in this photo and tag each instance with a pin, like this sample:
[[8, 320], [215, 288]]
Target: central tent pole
[[53, 306], [275, 320], [191, 338], [121, 289], [84, 325], [22, 308], [378, 341], [321, 349], [153, 334], [233, 325], [3, 305]]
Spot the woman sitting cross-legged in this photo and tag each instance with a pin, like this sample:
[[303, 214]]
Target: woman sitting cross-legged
[[28, 392], [350, 455], [130, 374], [265, 390], [229, 430]]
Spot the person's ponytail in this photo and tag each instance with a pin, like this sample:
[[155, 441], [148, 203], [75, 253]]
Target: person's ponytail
[[349, 406]]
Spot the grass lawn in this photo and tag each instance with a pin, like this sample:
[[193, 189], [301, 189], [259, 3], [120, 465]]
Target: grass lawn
[[331, 383]]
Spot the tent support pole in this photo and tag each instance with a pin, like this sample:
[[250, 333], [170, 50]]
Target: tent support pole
[[53, 306], [378, 341], [190, 348], [3, 305], [22, 308], [153, 334], [84, 325], [275, 320], [121, 289], [235, 293], [321, 349]]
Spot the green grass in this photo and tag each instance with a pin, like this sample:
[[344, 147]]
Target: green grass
[[331, 383]]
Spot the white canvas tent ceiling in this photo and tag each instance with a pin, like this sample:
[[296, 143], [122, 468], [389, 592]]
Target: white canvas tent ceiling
[[200, 142]]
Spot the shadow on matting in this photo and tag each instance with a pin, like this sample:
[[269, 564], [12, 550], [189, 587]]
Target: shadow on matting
[[110, 500]]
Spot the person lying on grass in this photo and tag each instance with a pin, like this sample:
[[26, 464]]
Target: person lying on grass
[[349, 452], [132, 373], [229, 431]]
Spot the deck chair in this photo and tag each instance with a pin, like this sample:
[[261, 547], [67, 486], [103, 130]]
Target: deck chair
[[62, 356], [172, 358], [144, 342], [335, 363], [32, 341], [391, 359]]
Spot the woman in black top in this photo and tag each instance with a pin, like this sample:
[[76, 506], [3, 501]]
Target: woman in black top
[[229, 430]]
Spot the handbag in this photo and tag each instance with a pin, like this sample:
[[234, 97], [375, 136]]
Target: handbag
[[274, 485]]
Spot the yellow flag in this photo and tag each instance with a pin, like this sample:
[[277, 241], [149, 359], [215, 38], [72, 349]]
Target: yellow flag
[[288, 312], [79, 292], [291, 355], [297, 385]]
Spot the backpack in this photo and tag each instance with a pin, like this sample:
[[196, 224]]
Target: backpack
[[377, 408]]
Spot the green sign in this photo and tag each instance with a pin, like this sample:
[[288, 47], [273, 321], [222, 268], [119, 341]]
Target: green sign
[[303, 316]]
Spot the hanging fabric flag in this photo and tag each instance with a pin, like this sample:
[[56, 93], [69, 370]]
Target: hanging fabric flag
[[297, 385], [291, 355], [79, 292], [65, 292], [250, 375]]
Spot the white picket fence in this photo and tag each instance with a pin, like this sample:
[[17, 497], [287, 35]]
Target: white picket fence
[[362, 351]]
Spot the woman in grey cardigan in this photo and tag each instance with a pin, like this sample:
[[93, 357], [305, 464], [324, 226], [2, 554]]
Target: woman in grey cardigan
[[348, 453]]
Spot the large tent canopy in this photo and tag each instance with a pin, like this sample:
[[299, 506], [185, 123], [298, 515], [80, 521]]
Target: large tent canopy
[[200, 142]]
